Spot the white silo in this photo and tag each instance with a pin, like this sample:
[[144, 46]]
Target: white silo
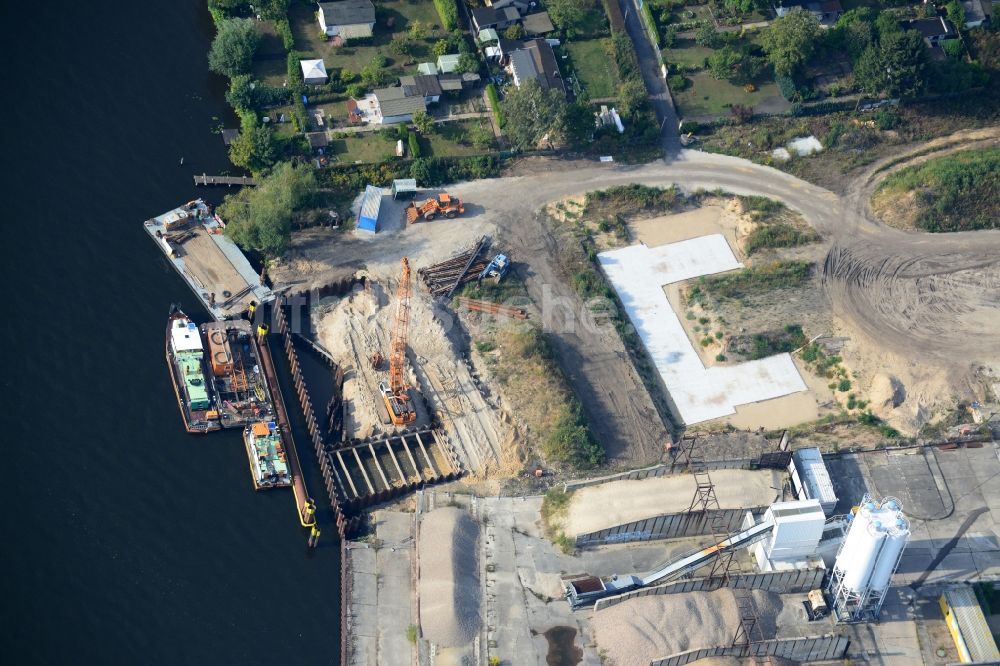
[[897, 533], [867, 559]]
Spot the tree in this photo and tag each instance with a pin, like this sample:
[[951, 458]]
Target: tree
[[440, 47], [401, 45], [955, 14], [739, 7], [482, 137], [790, 40], [468, 63], [855, 30], [261, 218], [423, 122], [375, 72], [570, 15], [272, 10], [531, 113], [233, 47], [418, 30], [707, 35], [577, 124], [894, 67], [632, 98], [515, 31], [255, 148], [241, 92]]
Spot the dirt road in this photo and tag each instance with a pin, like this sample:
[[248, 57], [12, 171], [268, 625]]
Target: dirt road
[[914, 295]]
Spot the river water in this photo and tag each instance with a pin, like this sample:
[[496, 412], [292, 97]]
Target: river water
[[126, 541]]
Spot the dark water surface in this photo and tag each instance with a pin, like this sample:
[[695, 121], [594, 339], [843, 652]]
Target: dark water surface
[[125, 540]]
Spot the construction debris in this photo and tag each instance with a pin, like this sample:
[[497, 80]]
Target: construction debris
[[489, 307], [444, 278]]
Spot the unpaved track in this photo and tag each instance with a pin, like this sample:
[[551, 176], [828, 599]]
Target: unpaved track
[[915, 294]]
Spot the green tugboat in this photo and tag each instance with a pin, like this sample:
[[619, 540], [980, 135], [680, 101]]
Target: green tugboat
[[186, 360]]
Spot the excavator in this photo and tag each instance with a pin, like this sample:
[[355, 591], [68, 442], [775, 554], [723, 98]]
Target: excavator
[[396, 392], [445, 204]]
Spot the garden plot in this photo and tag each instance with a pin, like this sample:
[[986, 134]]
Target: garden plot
[[638, 274]]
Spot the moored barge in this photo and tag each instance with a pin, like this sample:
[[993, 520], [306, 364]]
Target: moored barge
[[267, 456], [186, 359], [242, 394]]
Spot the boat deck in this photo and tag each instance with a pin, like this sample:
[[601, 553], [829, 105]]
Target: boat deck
[[207, 260], [243, 393]]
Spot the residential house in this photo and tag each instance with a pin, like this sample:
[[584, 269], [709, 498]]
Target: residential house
[[536, 60], [456, 82], [520, 5], [538, 23], [313, 72], [393, 105], [826, 11], [448, 63], [422, 85], [976, 12], [934, 30], [498, 19], [349, 19]]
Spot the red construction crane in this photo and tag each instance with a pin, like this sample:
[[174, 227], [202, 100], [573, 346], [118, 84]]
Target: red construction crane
[[396, 394]]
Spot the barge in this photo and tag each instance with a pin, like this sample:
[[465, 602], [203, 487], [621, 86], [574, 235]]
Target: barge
[[186, 359], [267, 456], [237, 380], [193, 240]]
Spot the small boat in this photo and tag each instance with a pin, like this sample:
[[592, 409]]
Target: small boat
[[186, 360], [266, 453]]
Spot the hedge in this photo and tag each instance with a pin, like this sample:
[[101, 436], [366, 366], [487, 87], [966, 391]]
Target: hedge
[[448, 11], [647, 15], [285, 32], [491, 93], [413, 144]]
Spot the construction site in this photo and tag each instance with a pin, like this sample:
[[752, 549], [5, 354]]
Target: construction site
[[461, 561]]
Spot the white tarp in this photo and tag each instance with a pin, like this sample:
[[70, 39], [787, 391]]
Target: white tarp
[[638, 274]]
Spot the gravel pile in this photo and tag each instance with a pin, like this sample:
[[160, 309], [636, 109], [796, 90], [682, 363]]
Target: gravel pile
[[638, 631], [449, 577]]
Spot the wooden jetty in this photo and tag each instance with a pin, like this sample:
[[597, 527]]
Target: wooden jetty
[[228, 181]]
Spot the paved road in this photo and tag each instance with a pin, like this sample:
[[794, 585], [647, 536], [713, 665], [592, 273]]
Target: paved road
[[659, 93]]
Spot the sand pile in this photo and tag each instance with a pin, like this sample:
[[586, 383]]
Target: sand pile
[[449, 577], [638, 631], [618, 502]]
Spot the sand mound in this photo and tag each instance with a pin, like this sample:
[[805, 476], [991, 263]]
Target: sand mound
[[449, 577], [638, 631], [886, 393], [618, 502]]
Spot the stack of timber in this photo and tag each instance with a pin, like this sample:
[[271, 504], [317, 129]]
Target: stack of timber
[[490, 307], [444, 278]]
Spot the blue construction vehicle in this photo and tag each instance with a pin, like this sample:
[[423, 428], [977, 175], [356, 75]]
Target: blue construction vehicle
[[496, 269]]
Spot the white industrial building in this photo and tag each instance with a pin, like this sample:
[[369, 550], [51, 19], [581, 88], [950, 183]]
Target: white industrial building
[[810, 478], [794, 539]]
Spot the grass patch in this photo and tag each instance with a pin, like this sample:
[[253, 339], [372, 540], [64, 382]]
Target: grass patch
[[956, 192], [630, 199], [537, 391], [411, 633], [777, 235], [769, 343], [756, 279], [710, 97], [594, 67], [875, 423]]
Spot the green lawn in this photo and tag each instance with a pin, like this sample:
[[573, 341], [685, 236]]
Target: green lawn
[[310, 40], [686, 52], [707, 96], [362, 147], [452, 139], [594, 67]]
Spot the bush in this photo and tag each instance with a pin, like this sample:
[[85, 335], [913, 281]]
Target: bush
[[448, 11], [757, 279], [285, 32], [678, 83], [786, 86], [777, 235], [491, 93], [413, 144], [844, 385]]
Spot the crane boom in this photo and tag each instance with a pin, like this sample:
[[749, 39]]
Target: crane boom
[[400, 330]]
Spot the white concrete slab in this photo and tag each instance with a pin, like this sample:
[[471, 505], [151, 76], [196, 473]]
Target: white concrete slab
[[638, 274]]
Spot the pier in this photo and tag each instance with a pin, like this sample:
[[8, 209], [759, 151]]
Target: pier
[[228, 181], [303, 503]]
